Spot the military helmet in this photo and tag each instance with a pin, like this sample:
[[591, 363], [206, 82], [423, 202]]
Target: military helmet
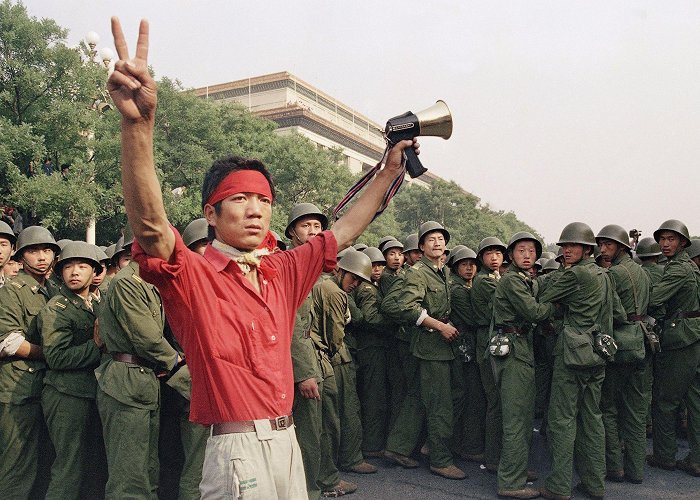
[[539, 263], [100, 254], [343, 252], [451, 254], [302, 210], [386, 239], [677, 227], [460, 254], [195, 231], [693, 249], [392, 244], [35, 235], [357, 263], [125, 241], [62, 243], [78, 250], [577, 232], [6, 232], [550, 265], [374, 254], [615, 233], [491, 241], [430, 227], [549, 255], [648, 247], [109, 251], [525, 236], [410, 243], [560, 255], [359, 246]]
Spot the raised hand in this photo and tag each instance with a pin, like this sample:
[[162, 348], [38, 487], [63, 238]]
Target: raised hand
[[131, 86]]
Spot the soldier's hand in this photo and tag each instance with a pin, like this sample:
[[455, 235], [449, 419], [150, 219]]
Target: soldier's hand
[[393, 161], [449, 333], [96, 335], [309, 389], [131, 86]]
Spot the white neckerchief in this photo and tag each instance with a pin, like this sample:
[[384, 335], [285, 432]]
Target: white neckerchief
[[245, 260]]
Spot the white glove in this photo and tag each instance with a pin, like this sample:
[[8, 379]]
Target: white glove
[[12, 342]]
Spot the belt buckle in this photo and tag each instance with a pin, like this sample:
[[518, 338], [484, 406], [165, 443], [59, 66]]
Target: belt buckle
[[281, 423]]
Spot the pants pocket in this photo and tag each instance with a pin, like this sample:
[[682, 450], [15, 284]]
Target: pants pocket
[[243, 481]]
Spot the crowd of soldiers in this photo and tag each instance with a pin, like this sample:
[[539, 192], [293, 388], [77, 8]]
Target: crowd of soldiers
[[407, 348]]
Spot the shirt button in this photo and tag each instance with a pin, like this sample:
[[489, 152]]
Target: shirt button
[[264, 282], [273, 338], [142, 370], [284, 396], [31, 370]]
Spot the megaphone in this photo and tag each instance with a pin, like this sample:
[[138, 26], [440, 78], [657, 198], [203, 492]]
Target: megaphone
[[433, 121]]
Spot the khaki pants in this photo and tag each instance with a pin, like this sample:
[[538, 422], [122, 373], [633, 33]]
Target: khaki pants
[[263, 465]]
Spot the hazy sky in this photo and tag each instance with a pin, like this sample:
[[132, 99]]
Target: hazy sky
[[563, 110]]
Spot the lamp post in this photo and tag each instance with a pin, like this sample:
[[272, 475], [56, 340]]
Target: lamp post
[[100, 105]]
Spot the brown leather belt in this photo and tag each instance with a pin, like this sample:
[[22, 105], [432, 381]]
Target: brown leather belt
[[689, 314], [132, 358], [513, 329], [278, 424], [637, 317]]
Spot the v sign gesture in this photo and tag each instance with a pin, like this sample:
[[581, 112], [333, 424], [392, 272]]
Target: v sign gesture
[[131, 86]]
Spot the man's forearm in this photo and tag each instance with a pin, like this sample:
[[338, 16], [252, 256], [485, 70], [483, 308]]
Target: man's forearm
[[142, 194]]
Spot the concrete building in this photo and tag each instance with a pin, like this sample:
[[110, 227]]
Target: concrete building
[[297, 106]]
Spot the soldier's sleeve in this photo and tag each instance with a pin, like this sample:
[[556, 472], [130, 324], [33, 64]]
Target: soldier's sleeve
[[56, 333], [461, 307], [129, 304], [410, 300], [368, 302], [356, 314], [332, 318], [619, 315], [667, 286], [561, 288], [11, 313], [304, 362], [389, 305], [524, 302]]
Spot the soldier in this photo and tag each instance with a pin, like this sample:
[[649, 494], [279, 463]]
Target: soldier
[[411, 252], [111, 266], [99, 279], [694, 252], [72, 352], [175, 405], [425, 308], [575, 426], [373, 341], [128, 397], [7, 244], [315, 390], [490, 254], [515, 311], [464, 267], [385, 239], [22, 365], [677, 366], [624, 395]]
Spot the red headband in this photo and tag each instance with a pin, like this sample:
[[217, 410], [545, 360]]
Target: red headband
[[241, 181]]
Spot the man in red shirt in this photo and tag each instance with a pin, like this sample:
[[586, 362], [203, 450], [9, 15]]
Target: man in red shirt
[[233, 309]]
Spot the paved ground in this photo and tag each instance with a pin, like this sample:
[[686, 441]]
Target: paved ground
[[393, 482]]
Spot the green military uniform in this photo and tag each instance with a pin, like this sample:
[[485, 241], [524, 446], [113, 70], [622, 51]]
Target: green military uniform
[[373, 342], [472, 429], [483, 289], [677, 366], [21, 383], [655, 271], [68, 399], [128, 399], [309, 361], [395, 374], [425, 288], [515, 310], [575, 426], [342, 428], [624, 394]]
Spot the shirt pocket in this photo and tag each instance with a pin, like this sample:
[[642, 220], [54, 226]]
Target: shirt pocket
[[234, 335]]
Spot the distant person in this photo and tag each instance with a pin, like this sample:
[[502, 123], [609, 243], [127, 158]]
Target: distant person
[[65, 169], [47, 167]]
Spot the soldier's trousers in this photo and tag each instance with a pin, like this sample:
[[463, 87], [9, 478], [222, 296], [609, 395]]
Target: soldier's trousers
[[516, 385], [19, 444], [623, 404], [494, 421], [350, 449], [474, 414], [71, 423], [575, 429], [676, 376], [372, 391], [395, 379], [131, 443], [404, 435]]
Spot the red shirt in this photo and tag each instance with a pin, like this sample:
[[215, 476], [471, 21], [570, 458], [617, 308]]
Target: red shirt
[[236, 340]]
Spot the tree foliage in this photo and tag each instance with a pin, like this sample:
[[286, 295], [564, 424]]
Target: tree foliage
[[51, 105]]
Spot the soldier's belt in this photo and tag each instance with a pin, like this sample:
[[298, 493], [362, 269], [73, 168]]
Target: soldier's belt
[[637, 317], [278, 424], [513, 329], [132, 358], [689, 314]]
